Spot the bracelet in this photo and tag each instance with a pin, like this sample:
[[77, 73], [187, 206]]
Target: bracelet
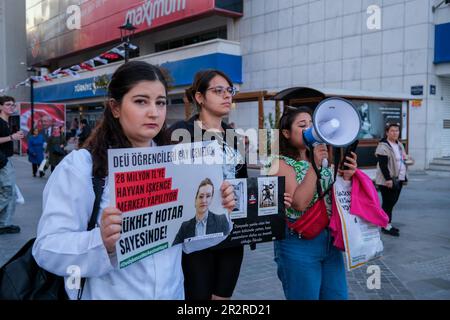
[[11, 137]]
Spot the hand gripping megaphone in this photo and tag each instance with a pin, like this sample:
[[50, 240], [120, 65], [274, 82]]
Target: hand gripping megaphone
[[336, 122]]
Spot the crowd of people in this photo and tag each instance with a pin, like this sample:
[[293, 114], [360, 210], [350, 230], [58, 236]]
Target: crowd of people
[[137, 95]]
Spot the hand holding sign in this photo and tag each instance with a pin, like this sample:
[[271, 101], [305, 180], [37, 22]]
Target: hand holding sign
[[110, 227], [227, 193], [351, 165]]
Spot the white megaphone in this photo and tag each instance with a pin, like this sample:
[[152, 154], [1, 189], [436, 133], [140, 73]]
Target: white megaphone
[[336, 122]]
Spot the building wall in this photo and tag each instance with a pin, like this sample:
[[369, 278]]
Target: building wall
[[326, 43], [13, 47]]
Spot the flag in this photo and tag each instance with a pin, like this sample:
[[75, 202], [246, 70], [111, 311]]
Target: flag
[[119, 52], [75, 68], [99, 59], [86, 66], [54, 73], [70, 72], [110, 56], [90, 62]]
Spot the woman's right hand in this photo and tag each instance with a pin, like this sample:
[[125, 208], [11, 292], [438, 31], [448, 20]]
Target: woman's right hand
[[110, 227], [389, 184], [320, 153]]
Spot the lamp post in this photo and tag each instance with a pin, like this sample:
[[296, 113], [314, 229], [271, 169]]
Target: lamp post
[[31, 69], [126, 31]]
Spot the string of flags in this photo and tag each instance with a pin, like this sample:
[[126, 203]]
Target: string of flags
[[115, 54]]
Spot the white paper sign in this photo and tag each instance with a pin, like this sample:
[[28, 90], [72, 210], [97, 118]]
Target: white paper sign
[[361, 239], [156, 190]]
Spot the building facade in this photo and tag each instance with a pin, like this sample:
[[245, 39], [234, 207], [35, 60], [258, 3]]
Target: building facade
[[13, 68], [391, 56]]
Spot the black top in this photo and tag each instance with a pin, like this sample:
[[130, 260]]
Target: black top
[[84, 134], [241, 169], [7, 147]]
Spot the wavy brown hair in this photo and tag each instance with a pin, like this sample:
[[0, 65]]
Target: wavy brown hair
[[108, 134]]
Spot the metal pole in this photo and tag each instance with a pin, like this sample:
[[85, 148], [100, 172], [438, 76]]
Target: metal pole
[[127, 45], [32, 104]]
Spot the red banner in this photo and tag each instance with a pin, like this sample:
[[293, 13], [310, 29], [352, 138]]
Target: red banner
[[99, 22], [45, 115]]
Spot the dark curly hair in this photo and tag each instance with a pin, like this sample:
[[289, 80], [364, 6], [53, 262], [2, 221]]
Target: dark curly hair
[[286, 122], [108, 134]]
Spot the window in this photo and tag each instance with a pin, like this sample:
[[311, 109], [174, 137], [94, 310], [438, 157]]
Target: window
[[220, 33], [232, 5], [375, 115]]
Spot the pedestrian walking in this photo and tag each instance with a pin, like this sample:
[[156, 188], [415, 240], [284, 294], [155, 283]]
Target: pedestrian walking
[[7, 172], [391, 173], [55, 148], [35, 150]]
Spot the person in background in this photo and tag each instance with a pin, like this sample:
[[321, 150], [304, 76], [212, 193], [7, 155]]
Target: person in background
[[7, 172], [55, 148], [84, 133], [36, 150], [74, 127], [391, 173]]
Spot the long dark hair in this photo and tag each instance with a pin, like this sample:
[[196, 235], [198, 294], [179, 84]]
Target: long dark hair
[[201, 83], [108, 134], [286, 122]]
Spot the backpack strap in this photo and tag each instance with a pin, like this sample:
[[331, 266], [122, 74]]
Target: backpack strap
[[98, 185]]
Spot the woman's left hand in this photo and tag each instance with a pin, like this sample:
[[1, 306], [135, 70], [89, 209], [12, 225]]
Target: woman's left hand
[[227, 193], [287, 200], [351, 164]]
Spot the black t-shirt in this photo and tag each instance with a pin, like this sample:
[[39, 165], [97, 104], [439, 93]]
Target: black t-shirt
[[240, 169], [7, 147]]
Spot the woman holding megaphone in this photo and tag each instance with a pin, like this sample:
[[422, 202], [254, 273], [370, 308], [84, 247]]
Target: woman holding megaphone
[[309, 266]]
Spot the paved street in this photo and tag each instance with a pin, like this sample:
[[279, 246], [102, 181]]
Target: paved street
[[414, 266]]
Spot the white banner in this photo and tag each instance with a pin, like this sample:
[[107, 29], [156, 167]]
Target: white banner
[[361, 239], [162, 193]]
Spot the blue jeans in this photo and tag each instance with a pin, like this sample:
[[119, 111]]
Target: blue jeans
[[311, 269], [7, 194]]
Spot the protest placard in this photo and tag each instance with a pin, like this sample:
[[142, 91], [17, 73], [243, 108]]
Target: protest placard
[[156, 190], [259, 213], [361, 239]]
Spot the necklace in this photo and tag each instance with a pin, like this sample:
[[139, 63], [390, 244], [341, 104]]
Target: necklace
[[205, 125]]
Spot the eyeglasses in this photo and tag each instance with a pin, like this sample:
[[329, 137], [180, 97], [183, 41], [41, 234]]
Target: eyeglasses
[[9, 104], [220, 91]]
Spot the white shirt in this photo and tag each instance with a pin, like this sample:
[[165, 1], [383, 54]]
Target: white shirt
[[200, 226], [399, 161], [62, 241]]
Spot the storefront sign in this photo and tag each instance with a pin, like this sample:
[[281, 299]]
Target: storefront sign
[[417, 90], [53, 35], [416, 103], [432, 89]]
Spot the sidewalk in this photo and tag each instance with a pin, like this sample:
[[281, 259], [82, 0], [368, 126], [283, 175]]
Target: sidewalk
[[415, 265]]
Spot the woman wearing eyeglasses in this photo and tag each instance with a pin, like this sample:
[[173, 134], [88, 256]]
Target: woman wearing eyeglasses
[[391, 172], [309, 269], [211, 273]]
